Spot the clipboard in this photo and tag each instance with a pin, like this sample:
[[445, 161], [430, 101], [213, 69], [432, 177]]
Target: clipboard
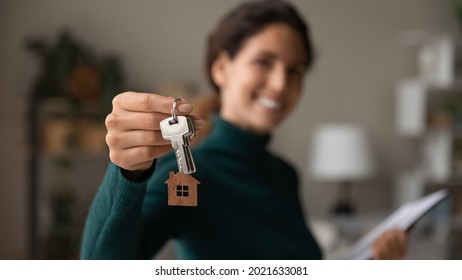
[[404, 218]]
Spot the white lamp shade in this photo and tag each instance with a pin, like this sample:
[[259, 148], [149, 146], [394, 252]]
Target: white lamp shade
[[340, 152]]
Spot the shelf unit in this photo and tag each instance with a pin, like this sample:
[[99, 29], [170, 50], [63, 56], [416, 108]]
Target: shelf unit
[[427, 114], [68, 158]]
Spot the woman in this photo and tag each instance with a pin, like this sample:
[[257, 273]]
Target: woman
[[248, 198]]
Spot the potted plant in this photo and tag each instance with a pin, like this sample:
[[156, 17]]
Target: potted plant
[[80, 84]]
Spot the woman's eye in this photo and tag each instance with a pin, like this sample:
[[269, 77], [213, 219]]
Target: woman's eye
[[263, 62], [295, 72]]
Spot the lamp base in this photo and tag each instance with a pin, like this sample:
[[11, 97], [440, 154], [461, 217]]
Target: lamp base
[[344, 206], [343, 209]]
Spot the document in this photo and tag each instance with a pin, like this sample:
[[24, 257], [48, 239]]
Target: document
[[404, 217]]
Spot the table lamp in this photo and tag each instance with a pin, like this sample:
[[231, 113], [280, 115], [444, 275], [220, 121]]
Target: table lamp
[[341, 153]]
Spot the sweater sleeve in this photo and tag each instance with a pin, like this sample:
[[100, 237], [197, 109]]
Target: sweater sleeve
[[113, 227], [127, 220]]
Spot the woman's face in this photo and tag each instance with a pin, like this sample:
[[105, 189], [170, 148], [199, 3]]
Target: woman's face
[[262, 83]]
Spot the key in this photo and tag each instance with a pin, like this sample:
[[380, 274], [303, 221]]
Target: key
[[180, 133]]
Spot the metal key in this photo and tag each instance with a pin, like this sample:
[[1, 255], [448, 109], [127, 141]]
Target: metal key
[[179, 130]]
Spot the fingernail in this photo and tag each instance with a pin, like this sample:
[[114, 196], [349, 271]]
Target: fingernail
[[199, 124], [185, 108]]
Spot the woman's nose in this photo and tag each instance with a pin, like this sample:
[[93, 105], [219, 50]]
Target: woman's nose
[[277, 81]]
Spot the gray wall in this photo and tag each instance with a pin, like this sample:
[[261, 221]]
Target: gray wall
[[360, 59]]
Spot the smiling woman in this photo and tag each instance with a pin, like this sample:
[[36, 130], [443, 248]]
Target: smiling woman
[[248, 204], [261, 85], [256, 58]]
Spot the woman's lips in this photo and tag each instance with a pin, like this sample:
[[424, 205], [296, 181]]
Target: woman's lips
[[269, 103]]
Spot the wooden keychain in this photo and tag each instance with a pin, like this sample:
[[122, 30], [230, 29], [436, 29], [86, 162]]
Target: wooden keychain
[[182, 187]]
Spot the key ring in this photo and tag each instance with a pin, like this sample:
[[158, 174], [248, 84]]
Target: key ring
[[173, 111]]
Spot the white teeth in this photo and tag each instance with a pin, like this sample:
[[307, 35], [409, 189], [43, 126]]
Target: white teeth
[[269, 103]]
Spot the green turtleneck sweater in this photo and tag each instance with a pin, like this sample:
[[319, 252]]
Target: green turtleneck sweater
[[248, 207]]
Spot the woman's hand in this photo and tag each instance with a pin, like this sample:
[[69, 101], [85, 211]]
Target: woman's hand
[[134, 136], [391, 245]]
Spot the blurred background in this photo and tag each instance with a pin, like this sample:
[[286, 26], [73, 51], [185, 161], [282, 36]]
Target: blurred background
[[385, 94]]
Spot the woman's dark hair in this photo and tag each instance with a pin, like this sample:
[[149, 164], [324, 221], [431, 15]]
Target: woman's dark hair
[[248, 19]]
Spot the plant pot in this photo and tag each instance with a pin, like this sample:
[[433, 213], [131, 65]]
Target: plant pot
[[56, 135]]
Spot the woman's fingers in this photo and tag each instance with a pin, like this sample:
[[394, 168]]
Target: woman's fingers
[[124, 121], [142, 121], [135, 138], [402, 239], [391, 245], [150, 103], [379, 249], [394, 245], [138, 158]]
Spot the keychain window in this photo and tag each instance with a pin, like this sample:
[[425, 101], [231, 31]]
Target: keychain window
[[182, 190]]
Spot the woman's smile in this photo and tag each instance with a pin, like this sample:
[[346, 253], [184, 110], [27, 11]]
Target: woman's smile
[[269, 104]]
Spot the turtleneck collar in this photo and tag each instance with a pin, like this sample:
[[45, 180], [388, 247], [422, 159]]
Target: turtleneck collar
[[227, 134]]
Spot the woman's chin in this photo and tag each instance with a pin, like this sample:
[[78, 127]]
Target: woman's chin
[[264, 125]]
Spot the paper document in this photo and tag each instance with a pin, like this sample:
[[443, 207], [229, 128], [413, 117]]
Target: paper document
[[404, 217]]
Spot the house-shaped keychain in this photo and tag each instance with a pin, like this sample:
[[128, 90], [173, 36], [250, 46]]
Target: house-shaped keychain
[[182, 189]]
